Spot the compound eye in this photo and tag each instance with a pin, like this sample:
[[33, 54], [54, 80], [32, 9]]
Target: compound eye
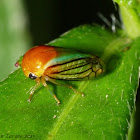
[[32, 76]]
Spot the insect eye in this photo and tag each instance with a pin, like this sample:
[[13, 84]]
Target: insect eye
[[32, 76]]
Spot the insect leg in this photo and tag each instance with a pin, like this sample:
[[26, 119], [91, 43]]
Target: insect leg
[[43, 81], [67, 86], [34, 89]]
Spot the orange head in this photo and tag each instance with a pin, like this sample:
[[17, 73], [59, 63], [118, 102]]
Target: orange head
[[34, 61]]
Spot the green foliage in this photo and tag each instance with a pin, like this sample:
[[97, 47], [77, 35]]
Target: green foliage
[[128, 3], [106, 109], [103, 113], [14, 40], [130, 11]]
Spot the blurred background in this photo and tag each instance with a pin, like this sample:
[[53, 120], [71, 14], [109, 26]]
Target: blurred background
[[48, 19], [26, 23]]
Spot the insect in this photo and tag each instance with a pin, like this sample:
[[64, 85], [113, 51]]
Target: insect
[[49, 63]]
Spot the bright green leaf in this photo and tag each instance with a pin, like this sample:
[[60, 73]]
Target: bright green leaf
[[104, 112]]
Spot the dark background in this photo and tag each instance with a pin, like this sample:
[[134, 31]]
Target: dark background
[[50, 18]]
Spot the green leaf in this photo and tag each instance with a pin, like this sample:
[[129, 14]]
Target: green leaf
[[103, 113]]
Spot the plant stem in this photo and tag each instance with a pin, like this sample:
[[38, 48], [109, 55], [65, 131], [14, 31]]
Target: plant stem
[[131, 21]]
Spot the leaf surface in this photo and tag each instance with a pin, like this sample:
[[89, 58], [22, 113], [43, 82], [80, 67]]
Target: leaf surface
[[104, 111]]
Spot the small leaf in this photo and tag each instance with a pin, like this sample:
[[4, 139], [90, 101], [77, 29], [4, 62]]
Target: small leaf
[[104, 112]]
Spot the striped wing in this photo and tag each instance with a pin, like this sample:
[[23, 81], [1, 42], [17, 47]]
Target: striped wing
[[77, 69]]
